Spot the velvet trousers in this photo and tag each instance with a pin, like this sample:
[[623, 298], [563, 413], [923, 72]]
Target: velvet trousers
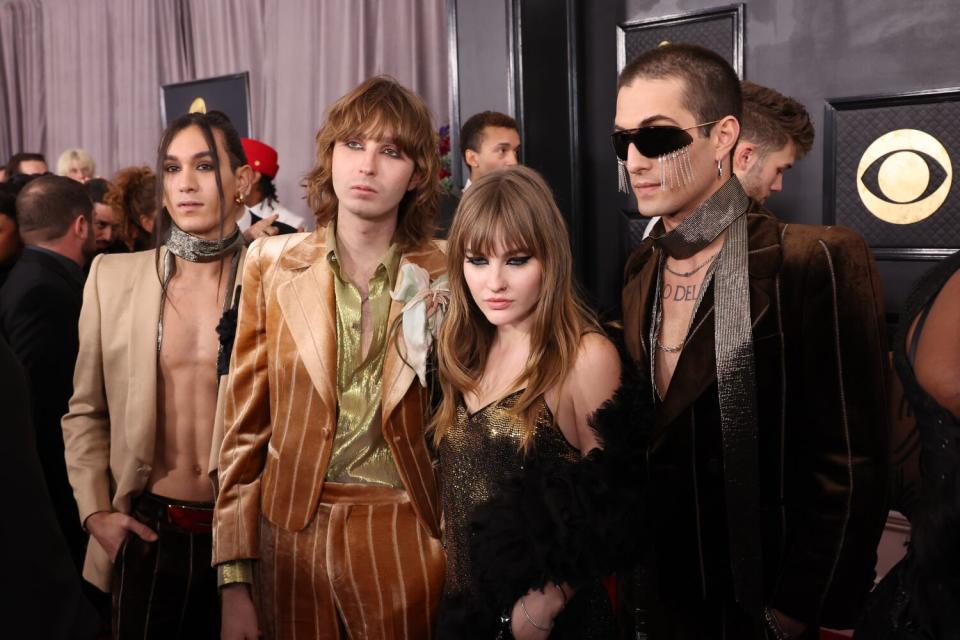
[[364, 569]]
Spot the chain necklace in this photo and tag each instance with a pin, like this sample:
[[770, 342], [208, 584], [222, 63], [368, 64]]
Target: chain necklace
[[687, 274]]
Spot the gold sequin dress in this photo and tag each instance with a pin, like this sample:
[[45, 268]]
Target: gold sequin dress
[[477, 453]]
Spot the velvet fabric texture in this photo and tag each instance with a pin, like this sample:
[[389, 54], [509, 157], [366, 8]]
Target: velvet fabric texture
[[281, 407], [815, 305], [364, 557]]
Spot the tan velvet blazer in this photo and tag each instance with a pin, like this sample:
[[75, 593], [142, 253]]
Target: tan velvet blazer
[[281, 403], [109, 432]]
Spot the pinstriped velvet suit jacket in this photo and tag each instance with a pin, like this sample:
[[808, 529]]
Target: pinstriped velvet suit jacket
[[281, 403]]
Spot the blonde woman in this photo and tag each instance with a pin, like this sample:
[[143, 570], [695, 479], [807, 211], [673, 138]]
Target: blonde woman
[[523, 366], [76, 164]]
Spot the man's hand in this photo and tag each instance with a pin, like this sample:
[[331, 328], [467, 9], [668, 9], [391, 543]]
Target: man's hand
[[238, 615], [261, 229], [111, 528]]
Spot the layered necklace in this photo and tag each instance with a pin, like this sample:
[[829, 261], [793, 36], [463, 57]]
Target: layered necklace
[[726, 211]]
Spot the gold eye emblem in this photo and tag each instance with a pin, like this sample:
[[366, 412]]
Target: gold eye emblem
[[199, 105], [904, 176]]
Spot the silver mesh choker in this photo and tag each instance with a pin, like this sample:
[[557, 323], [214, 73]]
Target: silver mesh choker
[[707, 222], [194, 249]]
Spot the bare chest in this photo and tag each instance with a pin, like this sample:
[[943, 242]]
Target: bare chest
[[189, 342], [678, 302]]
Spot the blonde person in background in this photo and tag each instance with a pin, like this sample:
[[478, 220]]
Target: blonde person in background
[[76, 164]]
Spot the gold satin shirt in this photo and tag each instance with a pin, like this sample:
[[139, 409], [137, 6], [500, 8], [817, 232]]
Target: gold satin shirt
[[360, 453]]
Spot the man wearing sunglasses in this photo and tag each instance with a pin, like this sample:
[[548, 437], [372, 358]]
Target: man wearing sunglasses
[[763, 345], [775, 133]]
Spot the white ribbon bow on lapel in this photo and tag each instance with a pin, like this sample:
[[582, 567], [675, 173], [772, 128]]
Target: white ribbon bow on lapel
[[424, 305]]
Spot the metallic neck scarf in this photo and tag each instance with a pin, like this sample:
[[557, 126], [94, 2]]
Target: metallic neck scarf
[[194, 249], [181, 244], [736, 384], [706, 223]]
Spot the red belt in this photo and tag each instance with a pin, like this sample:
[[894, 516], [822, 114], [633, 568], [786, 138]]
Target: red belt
[[190, 519]]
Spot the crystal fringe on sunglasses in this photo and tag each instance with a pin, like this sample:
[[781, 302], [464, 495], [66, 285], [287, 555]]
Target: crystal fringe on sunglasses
[[676, 171], [671, 147]]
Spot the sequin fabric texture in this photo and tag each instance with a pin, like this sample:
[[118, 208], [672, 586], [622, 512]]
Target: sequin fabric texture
[[477, 453]]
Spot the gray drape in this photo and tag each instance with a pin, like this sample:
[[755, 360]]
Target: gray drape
[[87, 73], [21, 79]]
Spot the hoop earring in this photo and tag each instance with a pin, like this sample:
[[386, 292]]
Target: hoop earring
[[239, 198], [623, 180], [720, 168]]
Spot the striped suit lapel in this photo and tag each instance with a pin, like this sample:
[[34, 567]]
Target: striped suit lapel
[[308, 304]]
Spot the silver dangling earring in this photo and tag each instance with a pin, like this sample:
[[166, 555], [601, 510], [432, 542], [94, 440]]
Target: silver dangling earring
[[720, 168], [623, 180]]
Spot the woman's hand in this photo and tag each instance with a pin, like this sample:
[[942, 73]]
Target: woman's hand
[[534, 613]]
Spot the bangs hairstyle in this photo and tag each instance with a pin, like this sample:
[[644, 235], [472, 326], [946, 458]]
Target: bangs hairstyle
[[510, 209], [371, 110]]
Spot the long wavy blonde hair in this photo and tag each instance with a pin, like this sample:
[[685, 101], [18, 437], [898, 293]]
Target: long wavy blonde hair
[[511, 209]]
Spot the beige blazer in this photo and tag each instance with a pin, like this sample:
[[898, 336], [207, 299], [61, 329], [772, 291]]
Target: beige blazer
[[281, 403], [109, 432]]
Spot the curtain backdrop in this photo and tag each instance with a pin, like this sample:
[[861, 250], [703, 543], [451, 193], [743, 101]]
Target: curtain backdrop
[[87, 73], [21, 79]]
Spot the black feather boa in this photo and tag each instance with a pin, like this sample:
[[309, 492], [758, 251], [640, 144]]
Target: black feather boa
[[560, 522]]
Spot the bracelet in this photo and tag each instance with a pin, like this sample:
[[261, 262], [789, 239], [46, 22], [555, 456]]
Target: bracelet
[[233, 572], [562, 592], [523, 606], [774, 625]]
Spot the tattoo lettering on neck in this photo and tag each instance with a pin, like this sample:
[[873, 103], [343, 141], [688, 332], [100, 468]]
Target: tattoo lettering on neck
[[680, 293]]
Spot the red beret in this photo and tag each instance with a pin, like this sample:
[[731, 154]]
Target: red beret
[[261, 157]]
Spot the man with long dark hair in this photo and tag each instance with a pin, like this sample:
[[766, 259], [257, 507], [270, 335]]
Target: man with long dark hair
[[140, 433]]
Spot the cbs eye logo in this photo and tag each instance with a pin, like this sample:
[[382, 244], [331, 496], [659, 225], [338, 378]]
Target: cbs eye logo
[[904, 176]]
